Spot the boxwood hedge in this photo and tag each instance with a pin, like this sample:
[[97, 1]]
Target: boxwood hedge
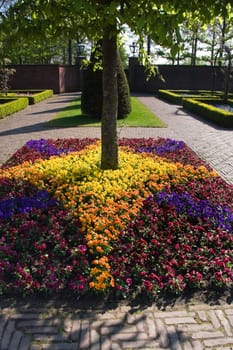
[[11, 105], [205, 108]]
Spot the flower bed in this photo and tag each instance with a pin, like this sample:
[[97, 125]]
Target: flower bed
[[162, 222]]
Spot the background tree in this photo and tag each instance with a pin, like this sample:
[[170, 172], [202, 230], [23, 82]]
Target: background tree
[[5, 75], [104, 19]]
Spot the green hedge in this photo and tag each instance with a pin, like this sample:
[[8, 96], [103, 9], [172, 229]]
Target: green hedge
[[209, 112], [40, 96], [34, 97], [9, 105], [177, 96], [170, 96]]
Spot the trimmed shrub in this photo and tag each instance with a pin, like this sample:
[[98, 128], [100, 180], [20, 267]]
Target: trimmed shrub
[[33, 96], [9, 106], [92, 95], [170, 96], [209, 111], [176, 96], [40, 96], [92, 92], [124, 102]]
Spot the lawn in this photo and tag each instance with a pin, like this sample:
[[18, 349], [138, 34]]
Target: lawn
[[72, 116], [162, 222]]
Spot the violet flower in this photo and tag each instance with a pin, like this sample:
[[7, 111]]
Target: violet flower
[[44, 147], [218, 215], [12, 206], [168, 146]]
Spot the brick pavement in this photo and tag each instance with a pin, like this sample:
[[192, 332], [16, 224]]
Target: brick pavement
[[186, 327], [189, 325]]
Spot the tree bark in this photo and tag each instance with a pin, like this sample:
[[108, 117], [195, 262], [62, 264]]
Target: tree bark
[[109, 143]]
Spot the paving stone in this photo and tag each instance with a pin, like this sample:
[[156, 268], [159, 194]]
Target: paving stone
[[7, 335], [197, 345], [163, 335], [45, 330], [85, 335], [173, 314], [95, 340], [214, 319], [204, 335], [76, 329], [218, 341], [174, 339], [25, 343], [202, 315], [3, 323], [224, 322], [139, 344], [60, 346], [152, 330], [229, 311], [230, 318], [179, 320], [190, 328], [15, 340]]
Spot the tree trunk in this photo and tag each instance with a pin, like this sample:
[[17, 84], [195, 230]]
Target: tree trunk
[[109, 151]]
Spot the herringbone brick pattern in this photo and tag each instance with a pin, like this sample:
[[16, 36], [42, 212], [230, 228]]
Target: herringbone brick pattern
[[197, 327]]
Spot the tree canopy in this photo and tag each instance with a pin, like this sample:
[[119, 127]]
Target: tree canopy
[[160, 19]]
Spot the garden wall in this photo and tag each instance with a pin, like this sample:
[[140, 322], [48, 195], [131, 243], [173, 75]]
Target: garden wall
[[179, 77], [59, 78], [65, 78]]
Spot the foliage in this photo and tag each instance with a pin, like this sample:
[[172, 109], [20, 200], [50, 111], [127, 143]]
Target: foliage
[[12, 105], [161, 222], [40, 96], [124, 102], [6, 74], [176, 96], [210, 112], [33, 96], [92, 92]]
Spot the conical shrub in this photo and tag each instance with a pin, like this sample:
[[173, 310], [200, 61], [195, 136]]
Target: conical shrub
[[124, 102], [92, 95], [92, 92]]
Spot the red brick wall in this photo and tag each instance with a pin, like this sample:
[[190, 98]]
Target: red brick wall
[[56, 77]]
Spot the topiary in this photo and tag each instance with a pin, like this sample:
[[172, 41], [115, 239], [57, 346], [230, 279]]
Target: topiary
[[92, 92], [91, 99], [124, 102]]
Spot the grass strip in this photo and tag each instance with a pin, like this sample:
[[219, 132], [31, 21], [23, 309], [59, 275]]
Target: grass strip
[[72, 116]]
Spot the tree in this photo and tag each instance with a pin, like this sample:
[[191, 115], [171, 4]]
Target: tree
[[104, 19], [5, 75]]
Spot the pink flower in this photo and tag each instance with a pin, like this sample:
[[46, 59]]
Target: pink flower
[[128, 281], [82, 248]]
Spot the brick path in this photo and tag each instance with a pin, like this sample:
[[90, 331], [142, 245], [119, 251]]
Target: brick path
[[187, 327], [38, 325]]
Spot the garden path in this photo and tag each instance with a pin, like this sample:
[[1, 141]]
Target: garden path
[[60, 325]]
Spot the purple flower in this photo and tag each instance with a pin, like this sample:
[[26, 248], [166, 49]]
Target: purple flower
[[168, 146], [11, 206], [44, 147], [218, 215]]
